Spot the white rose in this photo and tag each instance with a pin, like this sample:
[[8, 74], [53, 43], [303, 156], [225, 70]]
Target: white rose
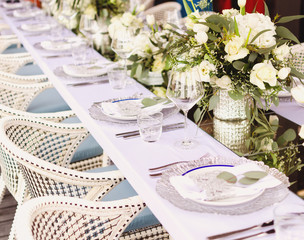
[[284, 72], [266, 144], [158, 64], [127, 18], [150, 19], [201, 37], [224, 82], [235, 49], [205, 68], [298, 93], [200, 27], [301, 133], [281, 52], [263, 72], [241, 3]]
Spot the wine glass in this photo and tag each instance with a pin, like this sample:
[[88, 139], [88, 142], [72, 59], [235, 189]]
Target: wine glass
[[185, 89], [122, 44], [88, 27]]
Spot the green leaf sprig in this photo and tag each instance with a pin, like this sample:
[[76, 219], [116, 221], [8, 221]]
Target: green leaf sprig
[[249, 178]]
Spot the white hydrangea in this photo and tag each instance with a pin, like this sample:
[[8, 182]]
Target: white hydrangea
[[254, 23], [282, 52]]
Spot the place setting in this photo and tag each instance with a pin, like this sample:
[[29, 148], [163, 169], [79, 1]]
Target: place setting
[[220, 185], [132, 110], [25, 14]]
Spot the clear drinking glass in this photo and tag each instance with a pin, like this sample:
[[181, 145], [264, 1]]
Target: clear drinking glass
[[117, 76], [79, 51], [185, 89], [289, 222], [150, 126]]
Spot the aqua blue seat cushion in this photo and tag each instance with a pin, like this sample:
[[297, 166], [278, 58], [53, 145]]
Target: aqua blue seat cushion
[[48, 101], [124, 190], [14, 49], [88, 148], [29, 69]]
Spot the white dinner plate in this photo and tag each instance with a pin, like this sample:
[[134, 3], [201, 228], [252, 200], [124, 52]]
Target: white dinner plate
[[231, 201], [37, 27], [123, 109], [85, 70], [58, 45]]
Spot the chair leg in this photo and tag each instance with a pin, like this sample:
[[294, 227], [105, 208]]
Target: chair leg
[[12, 235], [2, 189]]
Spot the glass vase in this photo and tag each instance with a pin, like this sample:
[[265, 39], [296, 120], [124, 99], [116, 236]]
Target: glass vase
[[229, 109]]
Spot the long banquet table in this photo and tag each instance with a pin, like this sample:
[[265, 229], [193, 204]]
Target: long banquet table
[[134, 157]]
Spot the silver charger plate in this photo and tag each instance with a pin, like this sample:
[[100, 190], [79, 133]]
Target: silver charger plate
[[96, 112], [267, 198]]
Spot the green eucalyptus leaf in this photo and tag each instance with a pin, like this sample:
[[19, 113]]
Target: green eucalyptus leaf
[[133, 70], [289, 135], [147, 102], [235, 95], [248, 181], [197, 115], [266, 10], [255, 174], [252, 57], [228, 177], [275, 146], [212, 26], [213, 102], [190, 32], [218, 20], [286, 33], [238, 65], [296, 73], [259, 34], [138, 71], [287, 19], [211, 37]]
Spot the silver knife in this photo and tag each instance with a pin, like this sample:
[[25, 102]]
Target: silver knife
[[222, 235], [87, 83], [137, 131], [261, 234], [56, 56], [164, 130]]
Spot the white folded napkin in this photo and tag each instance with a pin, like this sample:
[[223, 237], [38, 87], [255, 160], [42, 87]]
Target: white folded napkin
[[85, 70], [126, 109], [158, 107], [231, 193], [35, 27]]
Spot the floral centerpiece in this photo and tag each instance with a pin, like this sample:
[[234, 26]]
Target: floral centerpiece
[[148, 62], [243, 53], [245, 58]]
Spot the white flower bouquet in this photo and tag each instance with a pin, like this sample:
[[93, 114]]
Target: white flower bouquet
[[244, 53]]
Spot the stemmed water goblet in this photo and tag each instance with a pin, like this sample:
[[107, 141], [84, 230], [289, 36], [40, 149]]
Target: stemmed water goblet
[[88, 27], [122, 44], [185, 89]]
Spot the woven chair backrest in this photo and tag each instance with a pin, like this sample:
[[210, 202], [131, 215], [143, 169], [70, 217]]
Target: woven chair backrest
[[51, 218]]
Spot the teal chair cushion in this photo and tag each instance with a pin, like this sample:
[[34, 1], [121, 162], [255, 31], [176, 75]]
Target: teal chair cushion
[[48, 101], [88, 148], [14, 49], [125, 190], [29, 69]]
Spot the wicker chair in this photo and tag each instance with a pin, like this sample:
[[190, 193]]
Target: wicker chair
[[159, 10], [41, 149], [19, 96], [11, 63], [7, 41], [68, 218], [20, 79]]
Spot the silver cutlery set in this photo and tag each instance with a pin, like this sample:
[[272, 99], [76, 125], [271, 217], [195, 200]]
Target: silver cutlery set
[[166, 128]]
